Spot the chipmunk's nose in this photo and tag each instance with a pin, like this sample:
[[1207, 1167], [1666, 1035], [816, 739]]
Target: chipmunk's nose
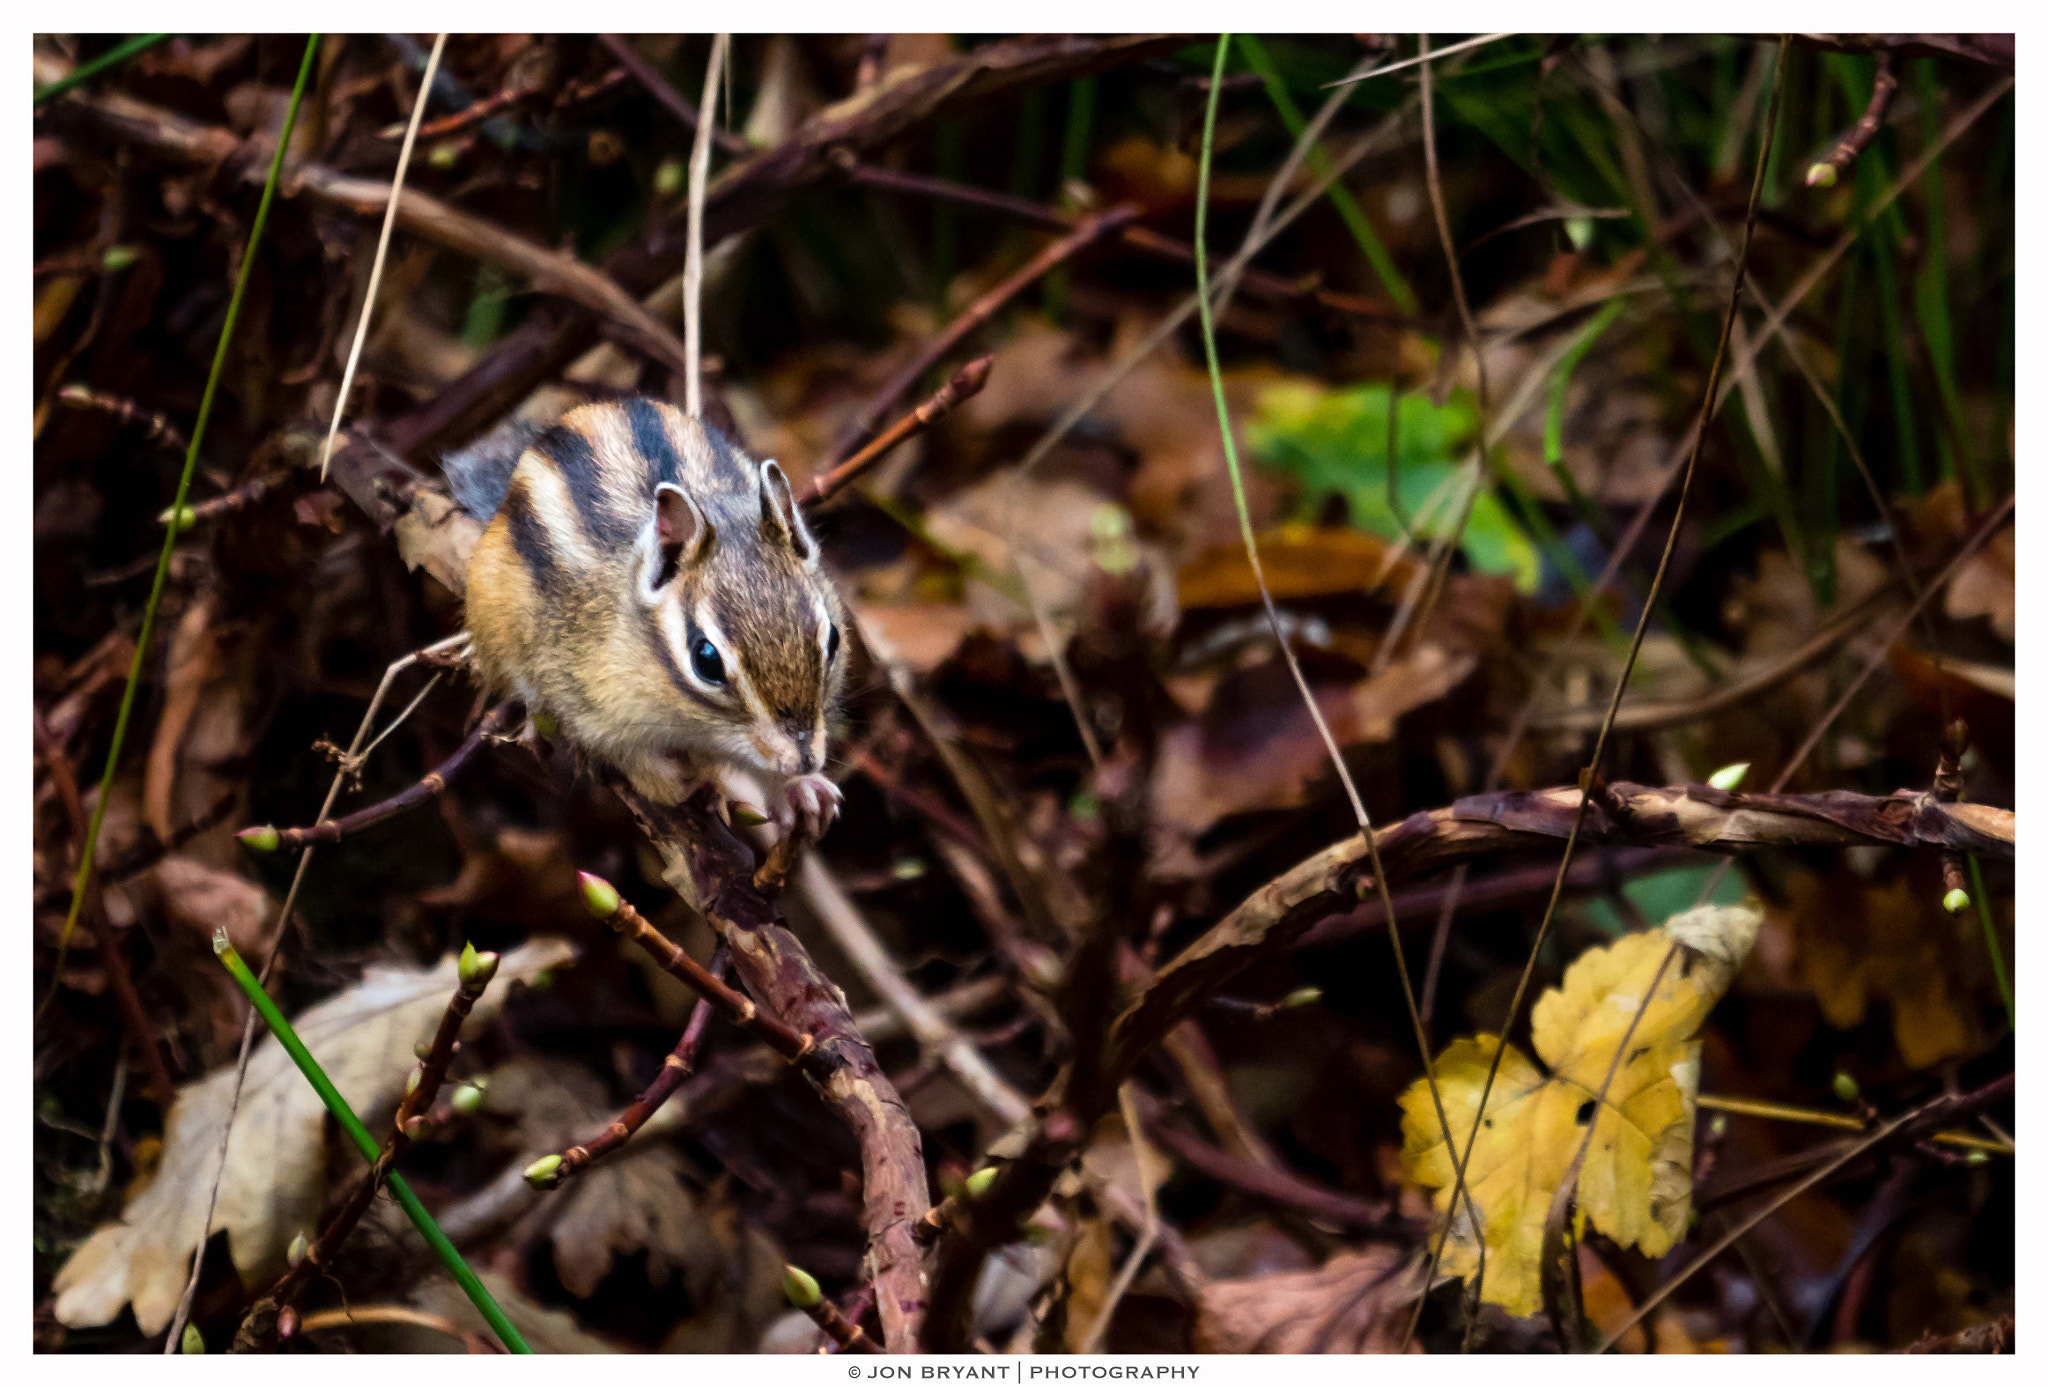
[[803, 744]]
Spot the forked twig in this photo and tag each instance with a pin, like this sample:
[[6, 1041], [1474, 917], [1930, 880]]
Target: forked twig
[[432, 785]]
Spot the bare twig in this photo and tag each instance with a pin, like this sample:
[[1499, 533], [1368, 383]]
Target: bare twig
[[795, 1047], [942, 343], [1824, 171], [675, 1068], [963, 385], [429, 786], [158, 429]]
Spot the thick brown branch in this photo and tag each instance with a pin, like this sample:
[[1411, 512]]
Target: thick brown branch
[[713, 871]]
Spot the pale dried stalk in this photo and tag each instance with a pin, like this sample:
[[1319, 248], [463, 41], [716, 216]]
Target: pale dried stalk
[[355, 351]]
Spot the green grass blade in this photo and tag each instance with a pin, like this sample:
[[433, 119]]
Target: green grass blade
[[1369, 243], [163, 563], [478, 1294], [1991, 945], [85, 72]]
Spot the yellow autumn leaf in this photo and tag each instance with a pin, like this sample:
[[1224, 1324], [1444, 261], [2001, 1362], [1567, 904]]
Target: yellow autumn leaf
[[1636, 1185]]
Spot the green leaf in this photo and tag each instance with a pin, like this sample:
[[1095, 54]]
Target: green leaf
[[1336, 441]]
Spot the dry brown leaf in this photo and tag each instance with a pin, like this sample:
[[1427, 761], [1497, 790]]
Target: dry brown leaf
[[209, 706], [1890, 942], [1354, 1303], [1091, 1267], [204, 899], [1941, 519], [1984, 586], [275, 1179], [1255, 747], [923, 635]]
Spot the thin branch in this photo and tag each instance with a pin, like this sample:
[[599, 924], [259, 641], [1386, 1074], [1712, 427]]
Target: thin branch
[[1424, 59], [429, 786], [963, 385], [675, 1069], [942, 343], [794, 1046], [1885, 84], [158, 429]]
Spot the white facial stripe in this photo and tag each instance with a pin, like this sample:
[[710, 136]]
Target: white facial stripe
[[668, 620], [735, 672]]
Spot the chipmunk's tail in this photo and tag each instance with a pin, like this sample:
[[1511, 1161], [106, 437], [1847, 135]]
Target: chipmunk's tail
[[480, 474]]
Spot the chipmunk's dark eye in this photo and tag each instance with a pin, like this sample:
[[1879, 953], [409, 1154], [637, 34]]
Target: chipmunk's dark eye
[[704, 657], [832, 646]]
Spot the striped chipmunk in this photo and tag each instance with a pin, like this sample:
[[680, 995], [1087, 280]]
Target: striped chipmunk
[[655, 591]]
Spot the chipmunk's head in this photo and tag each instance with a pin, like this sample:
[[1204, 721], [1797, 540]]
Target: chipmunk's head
[[747, 620]]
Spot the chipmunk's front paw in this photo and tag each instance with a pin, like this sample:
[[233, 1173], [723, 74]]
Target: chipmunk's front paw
[[810, 802]]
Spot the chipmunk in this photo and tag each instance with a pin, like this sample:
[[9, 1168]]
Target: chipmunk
[[653, 589]]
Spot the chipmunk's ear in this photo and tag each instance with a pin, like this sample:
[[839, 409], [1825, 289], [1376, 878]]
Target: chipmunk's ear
[[681, 534], [780, 518]]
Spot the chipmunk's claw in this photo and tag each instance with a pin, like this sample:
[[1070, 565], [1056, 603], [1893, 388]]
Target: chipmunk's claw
[[809, 801]]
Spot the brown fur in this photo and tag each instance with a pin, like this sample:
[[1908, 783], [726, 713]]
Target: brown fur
[[566, 615]]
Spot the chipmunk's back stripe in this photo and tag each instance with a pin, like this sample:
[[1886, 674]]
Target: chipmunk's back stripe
[[570, 451], [653, 441], [529, 534]]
